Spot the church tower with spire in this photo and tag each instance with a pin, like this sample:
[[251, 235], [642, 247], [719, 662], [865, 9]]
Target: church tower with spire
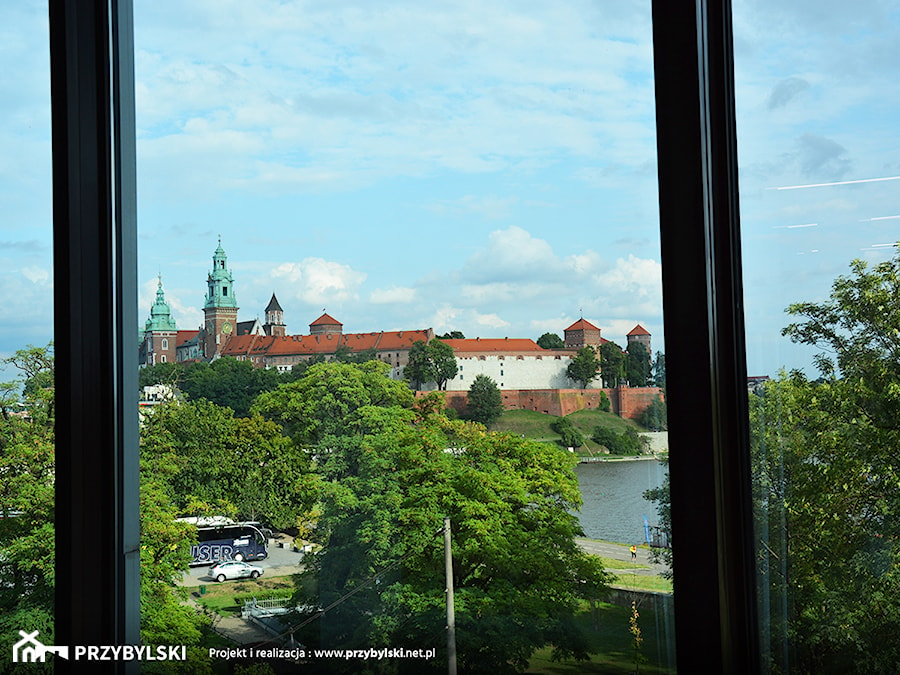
[[220, 308], [159, 332], [274, 324]]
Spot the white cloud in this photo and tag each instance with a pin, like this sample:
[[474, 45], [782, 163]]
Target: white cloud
[[318, 281], [392, 295], [36, 275], [490, 321]]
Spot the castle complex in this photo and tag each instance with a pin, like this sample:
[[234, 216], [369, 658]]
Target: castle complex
[[513, 363]]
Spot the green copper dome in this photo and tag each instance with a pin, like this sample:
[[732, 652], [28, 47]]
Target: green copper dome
[[160, 313], [220, 285]]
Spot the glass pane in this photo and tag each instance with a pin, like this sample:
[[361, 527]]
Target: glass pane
[[26, 329], [818, 142], [436, 189]]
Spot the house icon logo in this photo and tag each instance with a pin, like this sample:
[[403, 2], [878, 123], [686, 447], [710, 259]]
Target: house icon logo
[[30, 650]]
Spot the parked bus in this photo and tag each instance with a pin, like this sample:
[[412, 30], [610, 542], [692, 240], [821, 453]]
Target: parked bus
[[219, 539]]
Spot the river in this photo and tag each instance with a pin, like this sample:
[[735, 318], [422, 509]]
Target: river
[[614, 507]]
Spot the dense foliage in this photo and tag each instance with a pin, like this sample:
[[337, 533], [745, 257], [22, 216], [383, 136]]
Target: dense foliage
[[612, 364], [390, 475], [550, 341], [629, 442], [226, 381], [569, 436], [826, 483], [27, 556], [638, 369], [484, 402], [655, 416], [584, 368], [431, 362]]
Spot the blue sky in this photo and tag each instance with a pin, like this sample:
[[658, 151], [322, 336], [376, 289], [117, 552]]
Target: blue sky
[[485, 168]]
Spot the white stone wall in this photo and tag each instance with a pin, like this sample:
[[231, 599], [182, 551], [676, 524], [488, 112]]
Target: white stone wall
[[510, 372]]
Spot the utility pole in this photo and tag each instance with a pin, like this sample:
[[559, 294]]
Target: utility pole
[[451, 616]]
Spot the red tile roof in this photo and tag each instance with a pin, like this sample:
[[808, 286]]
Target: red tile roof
[[639, 330], [326, 320], [495, 345], [582, 324], [185, 336]]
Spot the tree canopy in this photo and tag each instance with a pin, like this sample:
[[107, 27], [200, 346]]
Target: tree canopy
[[27, 505], [612, 363], [550, 341], [318, 404], [638, 370], [584, 368], [517, 571], [226, 381], [484, 402], [825, 481], [430, 362]]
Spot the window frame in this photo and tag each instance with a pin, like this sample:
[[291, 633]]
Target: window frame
[[97, 539], [95, 299]]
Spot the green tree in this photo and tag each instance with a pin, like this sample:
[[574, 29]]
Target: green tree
[[661, 497], [637, 365], [612, 363], [569, 436], [317, 405], [584, 368], [418, 367], [484, 401], [452, 335], [243, 465], [659, 370], [519, 577], [443, 362], [226, 381], [550, 341], [629, 442], [655, 416], [27, 455], [825, 481], [431, 362]]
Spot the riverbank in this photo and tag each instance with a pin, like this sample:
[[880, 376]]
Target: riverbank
[[620, 458]]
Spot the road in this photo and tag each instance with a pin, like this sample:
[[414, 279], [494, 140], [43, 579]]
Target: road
[[281, 562], [607, 549]]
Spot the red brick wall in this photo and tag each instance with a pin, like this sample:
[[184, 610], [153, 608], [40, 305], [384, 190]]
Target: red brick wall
[[626, 402]]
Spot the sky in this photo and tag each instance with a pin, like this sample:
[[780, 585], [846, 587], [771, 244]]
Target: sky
[[489, 168]]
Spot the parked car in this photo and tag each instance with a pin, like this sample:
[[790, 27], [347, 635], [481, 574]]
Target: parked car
[[234, 569]]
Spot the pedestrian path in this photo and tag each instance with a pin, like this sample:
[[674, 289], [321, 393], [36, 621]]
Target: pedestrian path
[[607, 549], [233, 628]]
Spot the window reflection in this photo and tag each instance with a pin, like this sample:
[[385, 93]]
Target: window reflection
[[818, 141]]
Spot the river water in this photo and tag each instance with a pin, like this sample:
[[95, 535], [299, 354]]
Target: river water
[[614, 507]]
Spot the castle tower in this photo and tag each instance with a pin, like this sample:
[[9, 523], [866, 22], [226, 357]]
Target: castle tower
[[274, 324], [159, 332], [640, 334], [326, 325], [220, 309], [583, 333]]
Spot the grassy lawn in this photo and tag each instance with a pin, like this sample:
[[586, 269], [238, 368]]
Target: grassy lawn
[[536, 426], [228, 598], [611, 644], [643, 582], [527, 423], [612, 564]]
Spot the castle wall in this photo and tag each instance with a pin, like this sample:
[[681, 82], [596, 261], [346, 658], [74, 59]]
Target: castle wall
[[627, 402], [512, 372]]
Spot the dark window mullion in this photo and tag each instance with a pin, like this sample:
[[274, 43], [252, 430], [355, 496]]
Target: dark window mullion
[[97, 592], [715, 605]]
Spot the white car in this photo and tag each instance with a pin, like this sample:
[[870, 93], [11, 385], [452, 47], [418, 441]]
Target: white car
[[234, 569]]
